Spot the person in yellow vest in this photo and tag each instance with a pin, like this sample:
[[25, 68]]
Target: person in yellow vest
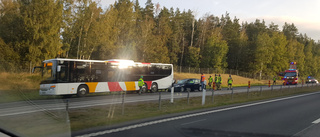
[[274, 80], [140, 84], [216, 81], [219, 81], [210, 79], [230, 80]]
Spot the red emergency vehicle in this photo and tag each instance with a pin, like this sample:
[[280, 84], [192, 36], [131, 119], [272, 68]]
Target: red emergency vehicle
[[291, 75]]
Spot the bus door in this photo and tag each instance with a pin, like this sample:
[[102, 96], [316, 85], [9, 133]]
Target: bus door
[[63, 77]]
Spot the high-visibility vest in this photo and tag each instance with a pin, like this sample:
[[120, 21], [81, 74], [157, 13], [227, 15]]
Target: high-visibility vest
[[219, 79], [216, 79], [202, 78], [210, 80], [230, 80], [140, 82]]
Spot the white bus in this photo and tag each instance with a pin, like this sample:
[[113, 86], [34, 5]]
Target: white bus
[[80, 77]]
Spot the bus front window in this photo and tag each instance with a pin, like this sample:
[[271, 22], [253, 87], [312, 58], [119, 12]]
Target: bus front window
[[49, 72]]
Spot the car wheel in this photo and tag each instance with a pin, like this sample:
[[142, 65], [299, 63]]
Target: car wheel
[[199, 88], [182, 89], [154, 87], [82, 90]]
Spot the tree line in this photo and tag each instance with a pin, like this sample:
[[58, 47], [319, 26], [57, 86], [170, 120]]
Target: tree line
[[36, 30]]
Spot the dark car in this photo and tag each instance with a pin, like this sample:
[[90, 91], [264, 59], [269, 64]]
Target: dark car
[[187, 84], [311, 80]]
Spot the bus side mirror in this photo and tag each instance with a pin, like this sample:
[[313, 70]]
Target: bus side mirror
[[58, 68], [34, 68]]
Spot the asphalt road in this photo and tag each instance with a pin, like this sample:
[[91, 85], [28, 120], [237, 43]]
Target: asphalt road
[[291, 116], [32, 106]]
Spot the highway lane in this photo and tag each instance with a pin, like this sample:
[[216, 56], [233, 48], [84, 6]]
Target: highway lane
[[291, 116], [31, 106]]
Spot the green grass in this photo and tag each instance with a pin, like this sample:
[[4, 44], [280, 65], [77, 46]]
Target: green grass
[[112, 114]]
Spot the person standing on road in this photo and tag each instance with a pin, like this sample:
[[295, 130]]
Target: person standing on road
[[230, 80], [216, 81], [210, 79], [274, 80], [140, 84], [202, 81], [219, 81]]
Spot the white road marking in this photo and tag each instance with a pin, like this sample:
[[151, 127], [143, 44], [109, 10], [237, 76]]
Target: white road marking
[[187, 116], [316, 121], [193, 122], [297, 134]]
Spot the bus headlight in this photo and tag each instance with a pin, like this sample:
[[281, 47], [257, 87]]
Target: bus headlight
[[52, 87]]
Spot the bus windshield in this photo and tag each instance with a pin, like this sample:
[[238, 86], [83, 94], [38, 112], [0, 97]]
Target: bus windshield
[[49, 72], [291, 74]]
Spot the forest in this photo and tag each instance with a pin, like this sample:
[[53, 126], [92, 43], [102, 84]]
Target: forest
[[36, 30]]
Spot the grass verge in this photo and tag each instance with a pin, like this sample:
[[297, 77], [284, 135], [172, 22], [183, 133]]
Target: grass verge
[[112, 114]]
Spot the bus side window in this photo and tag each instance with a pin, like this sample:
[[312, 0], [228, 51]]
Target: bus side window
[[155, 69], [97, 72], [164, 70], [110, 76], [82, 72], [62, 75]]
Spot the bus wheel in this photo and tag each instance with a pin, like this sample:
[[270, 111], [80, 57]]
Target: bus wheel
[[154, 87], [144, 88], [82, 90]]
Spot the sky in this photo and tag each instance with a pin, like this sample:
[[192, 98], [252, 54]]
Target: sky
[[305, 14]]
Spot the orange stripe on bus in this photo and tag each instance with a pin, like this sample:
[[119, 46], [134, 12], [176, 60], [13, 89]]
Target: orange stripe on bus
[[130, 86], [92, 86]]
